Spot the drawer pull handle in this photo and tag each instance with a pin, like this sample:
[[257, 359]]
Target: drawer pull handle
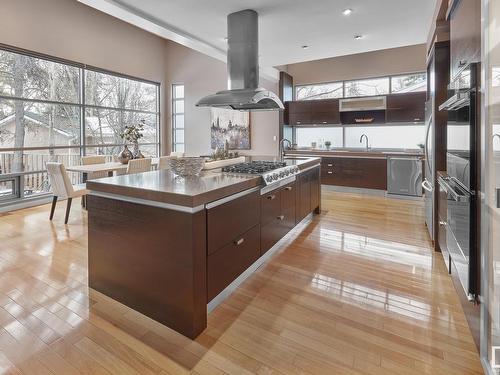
[[271, 197], [281, 217], [443, 223], [330, 172], [330, 165], [288, 188], [239, 242]]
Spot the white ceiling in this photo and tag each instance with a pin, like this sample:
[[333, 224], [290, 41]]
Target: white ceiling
[[286, 25]]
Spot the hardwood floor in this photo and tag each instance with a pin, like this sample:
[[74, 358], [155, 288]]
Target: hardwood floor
[[357, 292]]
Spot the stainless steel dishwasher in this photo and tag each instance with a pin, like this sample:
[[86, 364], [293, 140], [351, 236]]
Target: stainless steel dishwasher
[[404, 175]]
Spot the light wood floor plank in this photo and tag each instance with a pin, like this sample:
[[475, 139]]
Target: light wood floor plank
[[357, 291]]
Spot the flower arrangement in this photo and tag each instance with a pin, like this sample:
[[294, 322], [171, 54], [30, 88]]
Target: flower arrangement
[[132, 134], [328, 144]]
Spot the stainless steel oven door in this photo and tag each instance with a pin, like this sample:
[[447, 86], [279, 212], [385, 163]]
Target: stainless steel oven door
[[458, 226]]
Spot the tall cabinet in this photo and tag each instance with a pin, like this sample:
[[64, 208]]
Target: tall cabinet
[[438, 74]]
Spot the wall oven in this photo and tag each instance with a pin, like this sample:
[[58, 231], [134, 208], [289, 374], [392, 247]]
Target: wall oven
[[458, 184]]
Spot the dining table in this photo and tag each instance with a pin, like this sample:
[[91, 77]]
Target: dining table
[[109, 167]]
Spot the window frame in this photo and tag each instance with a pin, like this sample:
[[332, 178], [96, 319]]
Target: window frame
[[175, 128], [404, 75], [82, 146], [343, 82]]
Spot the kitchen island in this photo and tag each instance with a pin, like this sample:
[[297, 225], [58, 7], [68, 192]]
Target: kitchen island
[[168, 246]]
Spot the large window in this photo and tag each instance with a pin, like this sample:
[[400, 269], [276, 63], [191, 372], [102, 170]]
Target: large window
[[363, 87], [389, 136], [367, 87], [409, 83], [178, 118], [323, 91], [54, 111]]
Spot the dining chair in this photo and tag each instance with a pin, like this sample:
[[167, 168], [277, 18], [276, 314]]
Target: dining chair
[[95, 159], [163, 162], [139, 165], [118, 172], [62, 188]]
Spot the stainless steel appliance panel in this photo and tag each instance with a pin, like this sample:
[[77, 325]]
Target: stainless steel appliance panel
[[404, 176]]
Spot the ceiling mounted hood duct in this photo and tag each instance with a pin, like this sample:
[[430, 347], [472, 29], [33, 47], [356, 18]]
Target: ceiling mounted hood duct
[[243, 92]]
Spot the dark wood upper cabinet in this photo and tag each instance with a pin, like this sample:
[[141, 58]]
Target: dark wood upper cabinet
[[407, 107], [465, 34], [317, 112], [325, 112]]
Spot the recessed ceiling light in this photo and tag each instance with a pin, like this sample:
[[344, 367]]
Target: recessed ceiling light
[[358, 37], [347, 11], [305, 47]]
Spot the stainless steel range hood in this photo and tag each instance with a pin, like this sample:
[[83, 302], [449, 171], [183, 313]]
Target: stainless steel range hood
[[243, 92]]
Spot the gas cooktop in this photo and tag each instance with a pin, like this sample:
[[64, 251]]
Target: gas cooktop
[[254, 167], [272, 172]]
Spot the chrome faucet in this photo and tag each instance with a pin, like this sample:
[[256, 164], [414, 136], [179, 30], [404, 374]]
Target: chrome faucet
[[361, 141], [496, 135], [282, 148]]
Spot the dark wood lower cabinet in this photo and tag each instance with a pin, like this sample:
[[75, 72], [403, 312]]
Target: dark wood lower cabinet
[[304, 196], [277, 215], [308, 193], [231, 219], [150, 259], [227, 263], [367, 173]]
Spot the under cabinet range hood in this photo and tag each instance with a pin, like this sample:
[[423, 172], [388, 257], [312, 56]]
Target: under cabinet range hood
[[243, 92], [363, 111]]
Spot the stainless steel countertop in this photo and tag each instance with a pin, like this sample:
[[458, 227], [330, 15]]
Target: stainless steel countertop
[[165, 187]]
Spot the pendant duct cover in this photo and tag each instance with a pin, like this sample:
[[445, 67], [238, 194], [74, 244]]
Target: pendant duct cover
[[243, 92]]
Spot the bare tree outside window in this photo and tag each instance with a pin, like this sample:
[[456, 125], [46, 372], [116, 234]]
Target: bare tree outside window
[[367, 87], [409, 83], [42, 112], [322, 91]]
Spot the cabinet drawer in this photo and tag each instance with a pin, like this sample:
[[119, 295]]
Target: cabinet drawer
[[274, 231], [288, 206], [270, 206], [226, 264], [231, 219]]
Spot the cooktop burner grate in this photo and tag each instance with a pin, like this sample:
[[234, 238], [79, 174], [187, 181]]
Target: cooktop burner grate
[[255, 167]]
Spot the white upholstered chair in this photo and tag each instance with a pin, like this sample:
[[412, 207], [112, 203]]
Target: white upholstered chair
[[177, 154], [139, 165], [95, 159], [163, 162], [62, 188], [119, 172]]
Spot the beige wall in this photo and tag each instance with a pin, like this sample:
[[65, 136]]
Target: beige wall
[[201, 76], [363, 65], [70, 30]]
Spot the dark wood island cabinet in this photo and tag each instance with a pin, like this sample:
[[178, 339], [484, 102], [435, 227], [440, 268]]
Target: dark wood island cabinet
[[167, 247]]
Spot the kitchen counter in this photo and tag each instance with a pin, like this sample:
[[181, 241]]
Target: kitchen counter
[[372, 153], [164, 187]]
